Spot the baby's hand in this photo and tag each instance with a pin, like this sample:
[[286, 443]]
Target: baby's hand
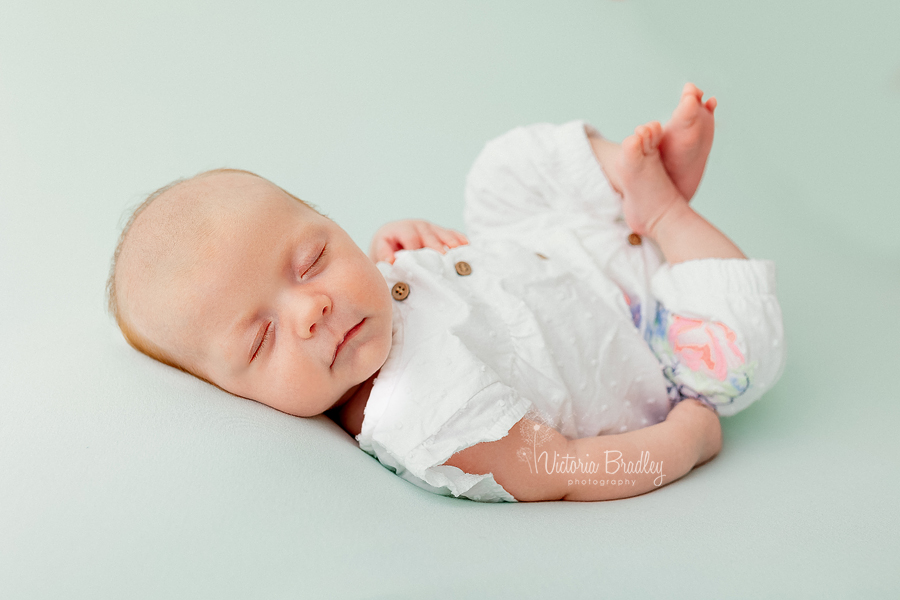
[[412, 234]]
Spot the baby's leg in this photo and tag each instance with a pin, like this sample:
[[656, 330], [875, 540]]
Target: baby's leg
[[717, 331], [654, 207]]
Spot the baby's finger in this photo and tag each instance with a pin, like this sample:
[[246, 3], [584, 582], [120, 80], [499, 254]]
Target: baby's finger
[[383, 251], [431, 240], [408, 240], [448, 239], [453, 238]]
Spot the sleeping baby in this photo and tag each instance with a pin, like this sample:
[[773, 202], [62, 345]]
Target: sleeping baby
[[581, 344]]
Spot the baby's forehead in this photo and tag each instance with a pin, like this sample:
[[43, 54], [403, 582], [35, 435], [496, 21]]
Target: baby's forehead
[[186, 221], [206, 207], [217, 193]]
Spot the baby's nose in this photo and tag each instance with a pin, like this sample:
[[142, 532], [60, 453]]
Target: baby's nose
[[313, 310]]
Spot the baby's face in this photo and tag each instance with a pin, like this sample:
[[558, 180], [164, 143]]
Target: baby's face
[[283, 307]]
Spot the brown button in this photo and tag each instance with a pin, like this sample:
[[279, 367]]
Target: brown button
[[463, 268], [400, 291], [634, 239]]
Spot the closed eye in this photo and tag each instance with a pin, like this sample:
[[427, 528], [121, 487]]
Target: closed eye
[[312, 269], [269, 331]]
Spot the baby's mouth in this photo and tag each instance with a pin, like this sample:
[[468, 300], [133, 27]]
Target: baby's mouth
[[347, 337]]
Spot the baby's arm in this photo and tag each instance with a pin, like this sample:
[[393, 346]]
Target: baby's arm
[[412, 234], [556, 468]]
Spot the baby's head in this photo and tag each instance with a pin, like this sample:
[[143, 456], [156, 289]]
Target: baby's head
[[232, 279]]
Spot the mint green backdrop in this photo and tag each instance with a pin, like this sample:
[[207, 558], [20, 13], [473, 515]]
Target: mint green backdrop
[[121, 478]]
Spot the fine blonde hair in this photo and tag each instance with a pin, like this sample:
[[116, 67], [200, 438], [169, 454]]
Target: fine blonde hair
[[135, 339]]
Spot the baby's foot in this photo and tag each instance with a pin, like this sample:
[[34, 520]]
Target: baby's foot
[[647, 189], [687, 139]]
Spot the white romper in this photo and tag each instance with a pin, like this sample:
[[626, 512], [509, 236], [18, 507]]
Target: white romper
[[550, 311]]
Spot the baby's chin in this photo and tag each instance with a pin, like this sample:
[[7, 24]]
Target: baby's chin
[[379, 356]]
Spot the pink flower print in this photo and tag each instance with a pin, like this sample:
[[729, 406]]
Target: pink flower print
[[704, 347]]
